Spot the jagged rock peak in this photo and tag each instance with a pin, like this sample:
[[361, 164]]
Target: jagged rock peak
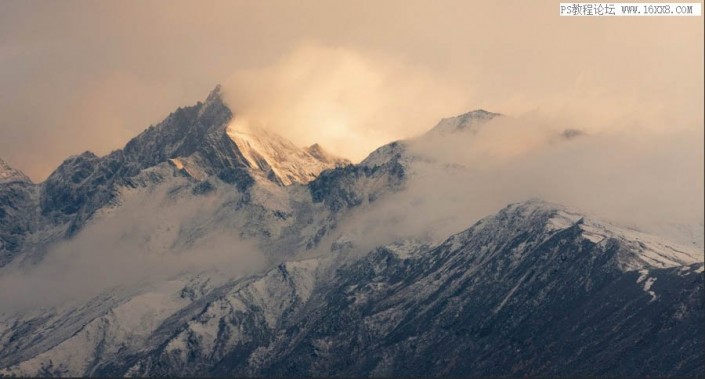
[[216, 94], [8, 174], [464, 121], [215, 103], [391, 152]]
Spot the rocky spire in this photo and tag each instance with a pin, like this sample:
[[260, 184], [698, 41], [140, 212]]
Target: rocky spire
[[9, 174]]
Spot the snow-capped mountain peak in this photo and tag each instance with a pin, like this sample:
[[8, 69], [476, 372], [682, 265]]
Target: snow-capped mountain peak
[[465, 121], [284, 162], [210, 138], [634, 250]]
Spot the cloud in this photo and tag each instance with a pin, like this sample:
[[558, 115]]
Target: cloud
[[153, 236], [77, 76], [354, 75], [349, 102], [640, 177], [646, 179]]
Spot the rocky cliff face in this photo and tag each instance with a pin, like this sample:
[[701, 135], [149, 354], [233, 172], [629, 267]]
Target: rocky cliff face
[[18, 216]]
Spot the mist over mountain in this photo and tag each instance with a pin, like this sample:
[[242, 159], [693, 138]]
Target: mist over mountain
[[490, 245]]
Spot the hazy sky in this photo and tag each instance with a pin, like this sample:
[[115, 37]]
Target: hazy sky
[[89, 75]]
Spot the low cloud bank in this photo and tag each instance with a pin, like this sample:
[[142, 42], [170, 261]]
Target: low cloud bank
[[642, 178], [152, 237]]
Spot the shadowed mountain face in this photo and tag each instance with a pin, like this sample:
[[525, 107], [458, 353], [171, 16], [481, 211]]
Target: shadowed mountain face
[[529, 291], [534, 290], [17, 211]]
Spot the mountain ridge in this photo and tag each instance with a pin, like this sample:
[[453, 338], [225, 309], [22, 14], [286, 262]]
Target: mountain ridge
[[466, 121], [533, 289], [517, 279]]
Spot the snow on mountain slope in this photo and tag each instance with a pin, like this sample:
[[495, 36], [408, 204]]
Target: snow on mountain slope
[[644, 250], [288, 163], [173, 317], [531, 265], [125, 327], [245, 316], [463, 122], [523, 292], [209, 139]]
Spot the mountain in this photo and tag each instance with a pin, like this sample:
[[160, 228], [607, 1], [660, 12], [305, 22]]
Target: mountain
[[211, 247], [534, 290], [464, 122], [283, 162], [18, 196], [197, 142]]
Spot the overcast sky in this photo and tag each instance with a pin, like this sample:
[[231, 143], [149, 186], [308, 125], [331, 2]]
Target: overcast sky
[[89, 75]]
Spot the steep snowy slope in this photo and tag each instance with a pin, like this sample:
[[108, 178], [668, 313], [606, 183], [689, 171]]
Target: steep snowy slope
[[285, 162], [533, 290], [528, 291], [464, 122], [207, 139]]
